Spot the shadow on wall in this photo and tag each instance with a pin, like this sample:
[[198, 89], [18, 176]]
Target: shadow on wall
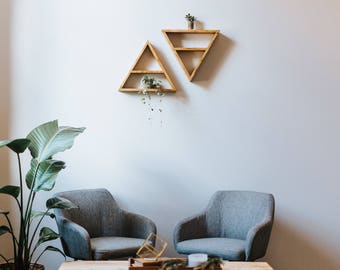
[[290, 249], [4, 103], [214, 60]]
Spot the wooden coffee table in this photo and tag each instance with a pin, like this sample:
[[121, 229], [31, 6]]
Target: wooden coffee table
[[123, 265]]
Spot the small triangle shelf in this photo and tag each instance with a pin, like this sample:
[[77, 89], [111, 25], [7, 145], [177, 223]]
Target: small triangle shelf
[[147, 63], [190, 56]]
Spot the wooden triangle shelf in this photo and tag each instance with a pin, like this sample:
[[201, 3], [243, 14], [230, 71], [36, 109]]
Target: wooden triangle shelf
[[140, 68], [183, 53]]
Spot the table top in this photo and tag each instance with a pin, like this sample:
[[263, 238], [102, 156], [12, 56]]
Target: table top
[[123, 265]]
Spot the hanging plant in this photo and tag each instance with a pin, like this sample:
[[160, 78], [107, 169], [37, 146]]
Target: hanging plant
[[150, 83]]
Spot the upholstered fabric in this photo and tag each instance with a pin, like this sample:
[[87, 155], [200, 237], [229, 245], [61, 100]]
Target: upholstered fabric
[[228, 248], [99, 228], [104, 248], [231, 217]]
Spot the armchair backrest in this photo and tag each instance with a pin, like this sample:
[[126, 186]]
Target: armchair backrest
[[98, 212], [232, 214]]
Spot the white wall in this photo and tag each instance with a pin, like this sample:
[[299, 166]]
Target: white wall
[[262, 114]]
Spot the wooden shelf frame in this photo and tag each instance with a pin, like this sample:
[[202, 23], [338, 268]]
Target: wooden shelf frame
[[135, 71], [177, 50]]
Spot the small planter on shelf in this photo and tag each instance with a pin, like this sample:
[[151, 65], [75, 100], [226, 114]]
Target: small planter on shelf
[[191, 21]]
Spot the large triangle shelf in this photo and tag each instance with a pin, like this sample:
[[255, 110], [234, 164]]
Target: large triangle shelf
[[187, 55], [147, 63]]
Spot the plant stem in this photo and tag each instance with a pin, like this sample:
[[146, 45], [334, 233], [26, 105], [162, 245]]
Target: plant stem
[[35, 262], [14, 240], [22, 227], [21, 186], [3, 257], [27, 219], [30, 200], [34, 233]]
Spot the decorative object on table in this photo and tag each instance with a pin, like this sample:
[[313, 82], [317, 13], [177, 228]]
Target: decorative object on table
[[197, 259], [150, 250], [147, 57], [149, 82], [208, 263], [191, 21], [236, 225], [212, 263], [155, 264], [43, 142], [99, 229], [118, 265], [186, 56], [175, 263]]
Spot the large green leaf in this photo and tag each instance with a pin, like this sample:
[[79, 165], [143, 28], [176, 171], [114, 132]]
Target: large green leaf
[[46, 174], [13, 191], [18, 146], [60, 203], [49, 139], [47, 234], [36, 214], [4, 229]]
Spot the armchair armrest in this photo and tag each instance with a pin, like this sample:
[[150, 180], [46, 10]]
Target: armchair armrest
[[75, 239], [138, 226], [257, 240], [190, 228]]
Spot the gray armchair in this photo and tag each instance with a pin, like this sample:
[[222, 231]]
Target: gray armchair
[[99, 229], [236, 226]]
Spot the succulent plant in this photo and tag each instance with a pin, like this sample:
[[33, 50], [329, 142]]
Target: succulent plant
[[190, 18]]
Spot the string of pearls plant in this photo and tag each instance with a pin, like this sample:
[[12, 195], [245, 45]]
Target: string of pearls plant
[[147, 83]]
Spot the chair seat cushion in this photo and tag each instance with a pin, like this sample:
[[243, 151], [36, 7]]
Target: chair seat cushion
[[227, 248], [106, 248]]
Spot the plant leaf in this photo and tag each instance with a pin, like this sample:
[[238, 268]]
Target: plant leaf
[[13, 191], [4, 258], [18, 146], [51, 248], [4, 229], [60, 203], [49, 139], [36, 214], [4, 143], [47, 234], [3, 212], [46, 174]]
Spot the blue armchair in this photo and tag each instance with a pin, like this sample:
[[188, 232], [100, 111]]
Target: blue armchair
[[236, 226], [99, 229]]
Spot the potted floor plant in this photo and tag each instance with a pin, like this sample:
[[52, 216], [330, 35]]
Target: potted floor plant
[[43, 142]]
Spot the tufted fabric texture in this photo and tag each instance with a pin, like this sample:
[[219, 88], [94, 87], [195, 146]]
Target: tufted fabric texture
[[236, 225], [99, 229]]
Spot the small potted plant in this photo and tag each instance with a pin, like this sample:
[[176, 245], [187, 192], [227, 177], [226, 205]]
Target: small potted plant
[[213, 263], [147, 83], [191, 21], [43, 143]]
